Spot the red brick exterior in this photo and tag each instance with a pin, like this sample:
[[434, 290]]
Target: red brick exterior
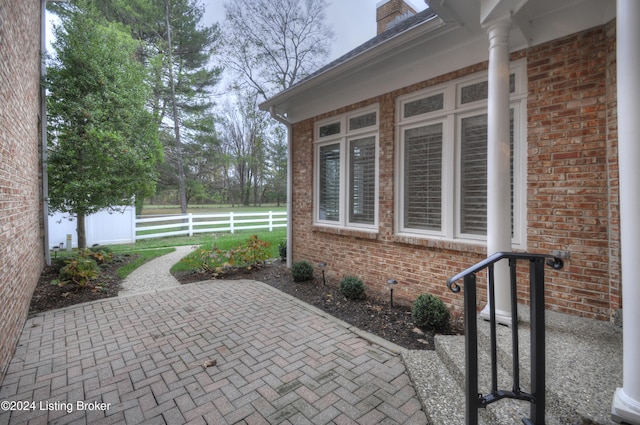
[[21, 233], [572, 188], [390, 11]]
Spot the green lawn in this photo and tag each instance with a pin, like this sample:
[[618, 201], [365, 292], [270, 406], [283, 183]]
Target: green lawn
[[152, 248], [223, 241], [145, 255]]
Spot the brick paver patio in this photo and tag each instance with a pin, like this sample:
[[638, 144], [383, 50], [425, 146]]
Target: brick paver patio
[[141, 359]]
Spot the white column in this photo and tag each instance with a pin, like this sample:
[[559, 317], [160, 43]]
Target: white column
[[626, 401], [498, 167]]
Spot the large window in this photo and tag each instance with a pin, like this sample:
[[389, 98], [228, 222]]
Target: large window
[[442, 160], [346, 176]]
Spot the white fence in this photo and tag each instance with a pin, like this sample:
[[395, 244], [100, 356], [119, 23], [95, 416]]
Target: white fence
[[189, 224], [113, 227], [103, 228]]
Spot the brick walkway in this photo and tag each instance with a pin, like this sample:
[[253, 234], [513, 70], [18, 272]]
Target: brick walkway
[[143, 356]]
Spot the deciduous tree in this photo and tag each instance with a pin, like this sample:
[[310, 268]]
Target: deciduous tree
[[272, 44]]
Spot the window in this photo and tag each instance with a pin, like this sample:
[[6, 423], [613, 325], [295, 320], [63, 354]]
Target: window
[[423, 176], [330, 182], [442, 160], [346, 183]]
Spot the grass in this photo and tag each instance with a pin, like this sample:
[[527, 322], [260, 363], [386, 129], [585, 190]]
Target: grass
[[155, 247], [221, 240], [124, 271], [229, 241], [145, 255]]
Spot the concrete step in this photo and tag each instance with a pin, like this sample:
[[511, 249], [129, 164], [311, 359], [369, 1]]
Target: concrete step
[[507, 411], [442, 397], [583, 361]]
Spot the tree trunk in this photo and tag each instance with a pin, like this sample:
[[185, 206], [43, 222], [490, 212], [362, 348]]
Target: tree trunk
[[82, 233], [176, 120]]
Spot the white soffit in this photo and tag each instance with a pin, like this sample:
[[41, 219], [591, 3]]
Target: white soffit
[[454, 40]]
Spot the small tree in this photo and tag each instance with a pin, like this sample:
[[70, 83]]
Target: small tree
[[103, 143]]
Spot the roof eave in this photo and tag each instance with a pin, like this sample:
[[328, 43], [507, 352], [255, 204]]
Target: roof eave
[[397, 43]]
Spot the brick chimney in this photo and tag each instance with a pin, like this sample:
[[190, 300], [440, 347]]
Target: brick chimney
[[389, 11]]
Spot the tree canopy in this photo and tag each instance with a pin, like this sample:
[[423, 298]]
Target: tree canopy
[[103, 142], [272, 44]]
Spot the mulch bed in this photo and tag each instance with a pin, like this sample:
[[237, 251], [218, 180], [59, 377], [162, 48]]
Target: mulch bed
[[49, 297], [372, 315]]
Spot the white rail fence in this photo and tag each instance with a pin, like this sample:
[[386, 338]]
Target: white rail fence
[[190, 224], [113, 227]]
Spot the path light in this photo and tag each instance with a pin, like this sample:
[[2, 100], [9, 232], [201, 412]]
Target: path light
[[392, 283], [55, 251], [322, 265]]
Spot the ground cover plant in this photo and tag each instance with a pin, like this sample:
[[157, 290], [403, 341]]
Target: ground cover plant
[[55, 289]]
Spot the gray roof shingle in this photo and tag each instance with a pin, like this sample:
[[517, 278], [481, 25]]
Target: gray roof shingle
[[399, 28]]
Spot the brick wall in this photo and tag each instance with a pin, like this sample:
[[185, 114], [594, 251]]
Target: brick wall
[[571, 196], [572, 159], [21, 250]]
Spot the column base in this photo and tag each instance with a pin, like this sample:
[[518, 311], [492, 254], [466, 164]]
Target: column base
[[502, 317], [624, 410]]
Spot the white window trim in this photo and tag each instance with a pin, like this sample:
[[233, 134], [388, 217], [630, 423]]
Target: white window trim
[[450, 115], [344, 138]]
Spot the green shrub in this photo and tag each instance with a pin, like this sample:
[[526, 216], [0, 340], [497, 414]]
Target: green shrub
[[282, 249], [352, 287], [302, 271], [79, 270], [216, 260], [255, 251], [430, 313], [101, 254]]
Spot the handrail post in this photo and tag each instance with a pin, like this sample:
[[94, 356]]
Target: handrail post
[[514, 325], [536, 398], [471, 350], [536, 279]]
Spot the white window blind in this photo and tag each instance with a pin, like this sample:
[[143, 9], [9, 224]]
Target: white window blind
[[473, 171], [423, 177], [362, 180], [329, 208], [473, 174]]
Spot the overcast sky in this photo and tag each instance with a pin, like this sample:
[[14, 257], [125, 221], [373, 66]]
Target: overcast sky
[[353, 21]]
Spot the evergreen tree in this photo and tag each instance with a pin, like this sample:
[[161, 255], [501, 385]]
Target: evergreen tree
[[103, 143]]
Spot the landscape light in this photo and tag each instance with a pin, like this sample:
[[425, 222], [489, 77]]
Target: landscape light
[[322, 265], [391, 283]]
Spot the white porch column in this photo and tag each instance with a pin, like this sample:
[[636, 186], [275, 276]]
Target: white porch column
[[626, 401], [498, 167]]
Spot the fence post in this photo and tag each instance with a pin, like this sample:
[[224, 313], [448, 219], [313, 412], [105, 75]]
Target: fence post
[[133, 224], [190, 220], [271, 221], [231, 222]]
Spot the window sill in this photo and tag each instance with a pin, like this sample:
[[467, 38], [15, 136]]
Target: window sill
[[445, 244], [343, 231]]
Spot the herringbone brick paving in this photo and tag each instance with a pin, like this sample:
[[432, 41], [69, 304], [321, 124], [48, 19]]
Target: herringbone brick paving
[[277, 362]]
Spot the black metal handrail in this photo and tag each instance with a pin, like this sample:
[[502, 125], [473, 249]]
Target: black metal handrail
[[536, 397]]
